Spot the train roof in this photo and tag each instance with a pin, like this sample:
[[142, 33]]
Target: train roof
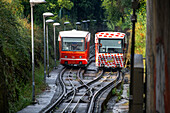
[[116, 35], [73, 33]]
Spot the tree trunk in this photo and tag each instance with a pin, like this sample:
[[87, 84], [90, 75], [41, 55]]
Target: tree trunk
[[158, 56]]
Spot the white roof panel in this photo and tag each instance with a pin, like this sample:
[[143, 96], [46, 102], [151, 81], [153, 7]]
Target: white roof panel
[[73, 33], [116, 35]]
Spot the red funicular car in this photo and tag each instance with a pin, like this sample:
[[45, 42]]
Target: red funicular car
[[74, 47]]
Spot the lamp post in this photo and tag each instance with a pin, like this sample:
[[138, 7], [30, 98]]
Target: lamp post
[[65, 23], [77, 23], [47, 14], [84, 21], [32, 3], [55, 24], [48, 21], [104, 24], [88, 21]]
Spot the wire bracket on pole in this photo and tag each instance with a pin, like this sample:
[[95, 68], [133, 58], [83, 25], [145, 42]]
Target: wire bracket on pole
[[133, 18]]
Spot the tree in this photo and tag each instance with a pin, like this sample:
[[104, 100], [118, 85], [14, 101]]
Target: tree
[[117, 11]]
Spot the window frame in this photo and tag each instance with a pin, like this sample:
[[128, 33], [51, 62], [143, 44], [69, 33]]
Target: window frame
[[122, 46], [75, 38]]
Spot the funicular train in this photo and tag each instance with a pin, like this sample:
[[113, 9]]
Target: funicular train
[[74, 47], [110, 49]]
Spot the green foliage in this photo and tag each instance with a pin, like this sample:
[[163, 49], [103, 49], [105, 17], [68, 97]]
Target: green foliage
[[86, 10], [15, 51], [25, 91], [117, 13], [65, 4], [128, 93], [140, 36], [122, 86], [114, 91]]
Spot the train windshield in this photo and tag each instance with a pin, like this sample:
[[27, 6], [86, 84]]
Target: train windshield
[[73, 44], [110, 46]]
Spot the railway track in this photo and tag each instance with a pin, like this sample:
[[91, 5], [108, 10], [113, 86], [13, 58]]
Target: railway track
[[78, 95], [94, 106]]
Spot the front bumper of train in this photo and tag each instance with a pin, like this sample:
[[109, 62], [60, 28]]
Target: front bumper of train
[[73, 62]]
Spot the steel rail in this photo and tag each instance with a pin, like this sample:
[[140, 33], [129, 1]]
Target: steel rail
[[81, 81], [89, 83], [51, 107], [91, 106], [97, 105], [70, 101], [68, 76], [64, 94], [74, 91], [64, 110], [73, 110]]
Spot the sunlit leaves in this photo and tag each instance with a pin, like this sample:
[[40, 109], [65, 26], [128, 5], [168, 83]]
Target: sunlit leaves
[[65, 4], [118, 13], [140, 40]]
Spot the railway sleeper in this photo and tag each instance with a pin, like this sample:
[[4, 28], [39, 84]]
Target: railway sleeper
[[83, 100], [80, 94]]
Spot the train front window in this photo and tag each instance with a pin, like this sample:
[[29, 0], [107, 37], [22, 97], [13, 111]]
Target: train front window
[[72, 44], [110, 46]]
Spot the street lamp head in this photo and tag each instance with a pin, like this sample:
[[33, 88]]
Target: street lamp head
[[88, 20], [84, 21], [47, 14], [49, 21], [104, 20], [66, 23], [56, 24], [37, 1], [78, 23]]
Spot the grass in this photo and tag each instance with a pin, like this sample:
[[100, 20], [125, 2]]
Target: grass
[[114, 91], [128, 92], [25, 93], [117, 93]]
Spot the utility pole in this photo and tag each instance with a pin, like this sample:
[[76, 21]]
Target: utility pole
[[133, 20]]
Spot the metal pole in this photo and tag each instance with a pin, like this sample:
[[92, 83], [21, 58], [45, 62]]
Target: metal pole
[[54, 49], [32, 35], [103, 26], [47, 52], [133, 20], [44, 52], [87, 26]]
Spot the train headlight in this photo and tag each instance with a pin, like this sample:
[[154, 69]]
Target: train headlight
[[80, 56], [117, 65], [65, 56], [102, 65], [65, 62]]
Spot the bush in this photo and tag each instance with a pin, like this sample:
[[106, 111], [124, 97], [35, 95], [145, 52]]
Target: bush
[[114, 91]]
